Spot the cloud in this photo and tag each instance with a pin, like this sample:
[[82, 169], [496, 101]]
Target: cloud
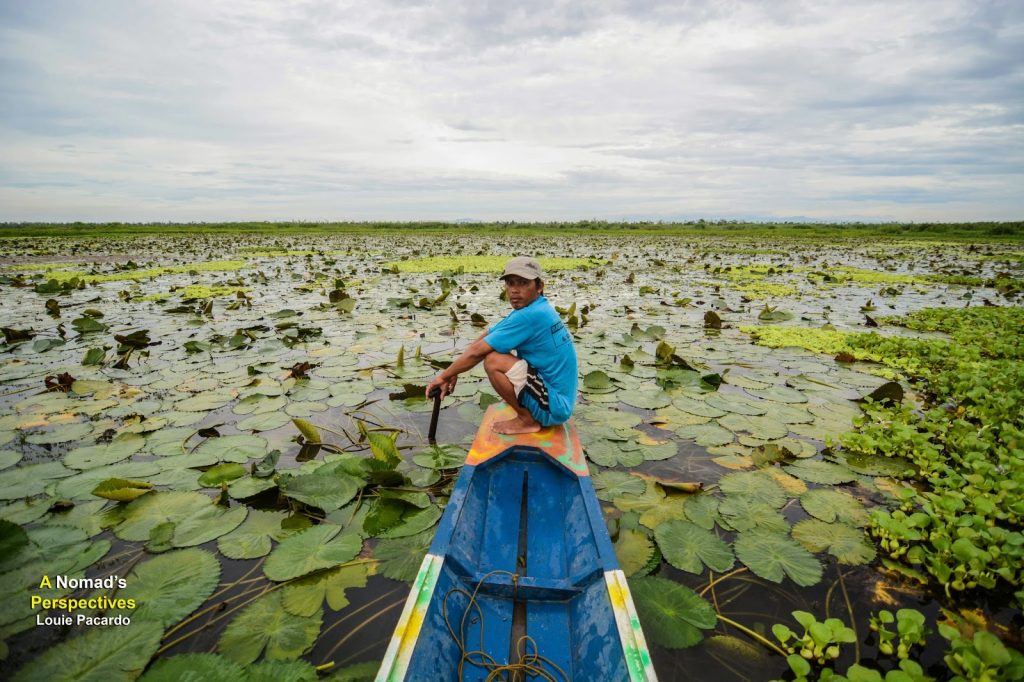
[[405, 109]]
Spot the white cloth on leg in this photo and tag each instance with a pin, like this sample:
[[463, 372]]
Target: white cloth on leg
[[517, 375]]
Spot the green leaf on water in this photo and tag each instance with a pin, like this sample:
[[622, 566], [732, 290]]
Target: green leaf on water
[[62, 433], [281, 671], [597, 380], [311, 550], [169, 587], [634, 549], [208, 523], [112, 654], [400, 559], [672, 615], [737, 512], [205, 667], [689, 547], [773, 556], [12, 539], [695, 406], [265, 421], [608, 453], [238, 448], [708, 435], [305, 596], [702, 510], [764, 428], [834, 505], [413, 523], [87, 325], [9, 458], [645, 398], [846, 543], [328, 489], [308, 430], [194, 517], [265, 626], [818, 471], [221, 473], [778, 393], [383, 447], [440, 457], [252, 539], [756, 487], [611, 484], [121, 490]]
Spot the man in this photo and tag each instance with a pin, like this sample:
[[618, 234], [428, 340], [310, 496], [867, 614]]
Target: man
[[540, 382]]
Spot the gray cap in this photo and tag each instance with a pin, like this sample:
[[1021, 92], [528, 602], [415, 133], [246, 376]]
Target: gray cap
[[525, 267]]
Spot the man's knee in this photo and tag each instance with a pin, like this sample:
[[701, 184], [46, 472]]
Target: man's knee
[[499, 362], [491, 362]]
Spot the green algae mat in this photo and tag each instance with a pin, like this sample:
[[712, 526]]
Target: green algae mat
[[213, 460]]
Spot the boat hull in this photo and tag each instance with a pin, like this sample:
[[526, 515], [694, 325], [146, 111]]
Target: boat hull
[[521, 564]]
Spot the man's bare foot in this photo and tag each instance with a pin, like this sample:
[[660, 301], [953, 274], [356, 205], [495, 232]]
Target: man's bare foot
[[516, 425]]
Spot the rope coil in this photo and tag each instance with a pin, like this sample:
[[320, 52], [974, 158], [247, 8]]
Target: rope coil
[[530, 665]]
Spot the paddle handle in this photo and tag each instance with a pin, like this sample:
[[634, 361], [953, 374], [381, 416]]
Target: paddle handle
[[432, 432]]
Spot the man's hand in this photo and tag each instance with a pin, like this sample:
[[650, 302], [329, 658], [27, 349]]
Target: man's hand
[[446, 386]]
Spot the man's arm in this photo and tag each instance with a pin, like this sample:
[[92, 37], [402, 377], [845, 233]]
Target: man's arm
[[466, 361]]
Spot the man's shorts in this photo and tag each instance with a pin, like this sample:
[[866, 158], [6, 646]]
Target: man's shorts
[[525, 378]]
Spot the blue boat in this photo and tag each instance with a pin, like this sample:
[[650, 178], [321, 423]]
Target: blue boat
[[521, 580]]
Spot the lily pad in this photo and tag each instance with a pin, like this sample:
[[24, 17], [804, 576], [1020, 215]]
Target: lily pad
[[764, 428], [311, 550], [846, 543], [611, 484], [689, 547], [267, 421], [774, 556], [413, 523], [818, 471], [305, 596], [700, 408], [737, 404], [237, 448], [400, 559], [609, 453], [834, 505], [62, 433], [252, 539], [112, 653], [782, 394], [266, 627], [645, 398], [170, 586], [702, 510], [327, 489], [754, 486], [207, 523], [672, 615], [205, 667], [633, 549], [221, 473], [121, 490], [89, 457], [706, 434]]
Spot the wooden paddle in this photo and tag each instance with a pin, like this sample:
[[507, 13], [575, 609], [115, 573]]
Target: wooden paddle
[[432, 432]]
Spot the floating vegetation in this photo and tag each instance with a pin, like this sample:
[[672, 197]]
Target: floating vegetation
[[484, 264], [131, 271], [250, 454]]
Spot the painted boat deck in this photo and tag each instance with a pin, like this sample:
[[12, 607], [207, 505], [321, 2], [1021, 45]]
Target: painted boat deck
[[524, 526]]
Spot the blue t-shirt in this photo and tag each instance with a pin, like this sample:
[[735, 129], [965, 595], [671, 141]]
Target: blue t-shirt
[[539, 336]]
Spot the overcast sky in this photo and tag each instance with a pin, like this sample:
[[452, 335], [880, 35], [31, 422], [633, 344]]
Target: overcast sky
[[197, 110]]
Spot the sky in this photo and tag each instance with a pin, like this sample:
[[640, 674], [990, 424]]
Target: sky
[[191, 110]]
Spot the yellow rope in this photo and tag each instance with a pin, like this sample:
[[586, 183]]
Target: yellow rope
[[530, 664]]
